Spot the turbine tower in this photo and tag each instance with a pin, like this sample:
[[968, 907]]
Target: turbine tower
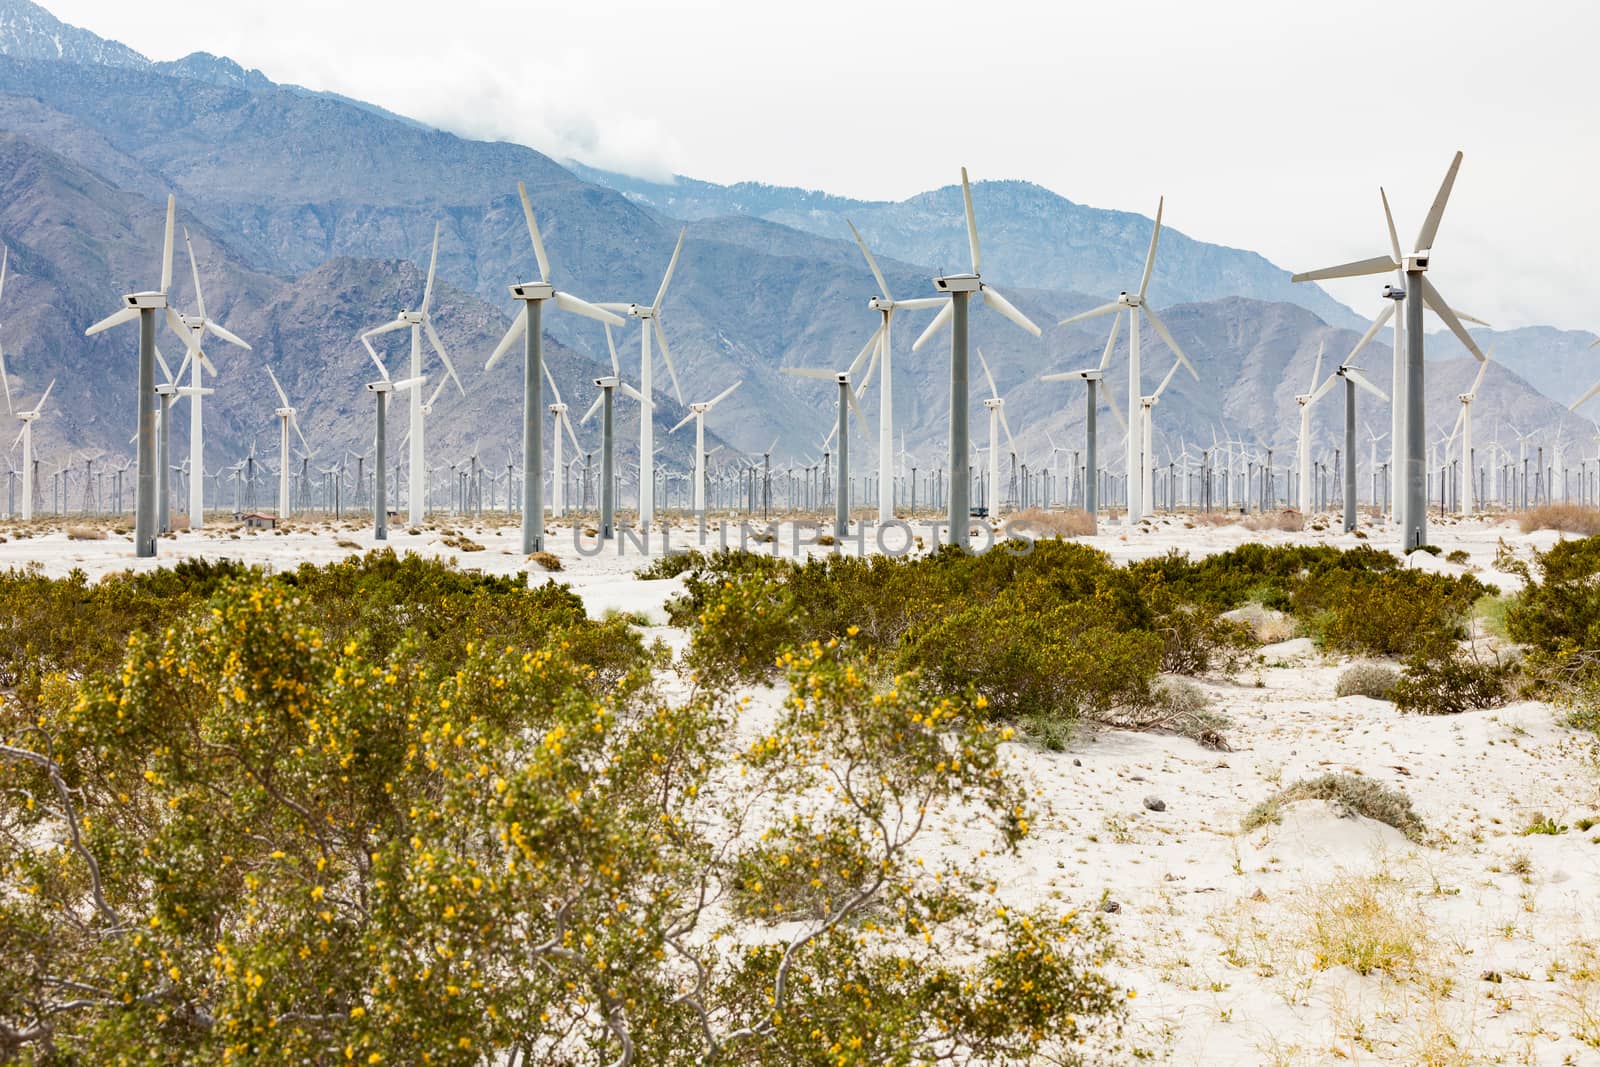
[[996, 406], [960, 288], [420, 323], [1134, 304], [529, 325], [847, 400], [196, 327], [881, 344], [697, 412], [1464, 423], [286, 418], [1418, 293], [25, 436], [649, 316], [144, 307]]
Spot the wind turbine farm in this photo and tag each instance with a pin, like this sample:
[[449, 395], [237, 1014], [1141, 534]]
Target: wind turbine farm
[[449, 687]]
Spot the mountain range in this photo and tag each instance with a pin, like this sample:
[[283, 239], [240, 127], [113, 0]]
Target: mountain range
[[311, 213]]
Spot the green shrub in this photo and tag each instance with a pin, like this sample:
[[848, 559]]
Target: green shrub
[[1350, 794], [1445, 680], [1385, 613]]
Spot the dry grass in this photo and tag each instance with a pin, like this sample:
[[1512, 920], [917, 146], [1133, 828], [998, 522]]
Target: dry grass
[[548, 560], [1375, 680], [1370, 925], [1216, 518], [85, 533], [1041, 523], [1268, 626], [1350, 794], [1568, 518], [1287, 520]]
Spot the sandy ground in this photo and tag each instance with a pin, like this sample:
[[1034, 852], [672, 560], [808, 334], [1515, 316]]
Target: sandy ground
[[1218, 927]]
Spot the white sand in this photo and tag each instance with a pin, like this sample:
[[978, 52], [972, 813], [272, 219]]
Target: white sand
[[1215, 924]]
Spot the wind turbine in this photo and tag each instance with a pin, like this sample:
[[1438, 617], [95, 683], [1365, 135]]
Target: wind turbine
[[847, 400], [1134, 304], [649, 316], [697, 412], [606, 403], [196, 327], [881, 344], [25, 435], [286, 418], [144, 307], [1353, 380], [996, 406], [1464, 424], [1306, 400], [1574, 406], [1418, 292], [419, 322], [529, 324], [1091, 379], [558, 412], [381, 390], [960, 288], [1147, 416]]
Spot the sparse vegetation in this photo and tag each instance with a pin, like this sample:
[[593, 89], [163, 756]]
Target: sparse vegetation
[[1038, 523], [1444, 678], [1567, 518], [1287, 521], [1370, 925], [1375, 680], [547, 561], [1350, 794]]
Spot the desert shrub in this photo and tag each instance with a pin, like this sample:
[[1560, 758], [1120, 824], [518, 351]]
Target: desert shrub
[[1181, 707], [1033, 660], [1038, 523], [1568, 518], [1458, 556], [283, 849], [1196, 638], [740, 631], [1266, 626], [1350, 794], [1556, 618], [85, 533], [1387, 613], [548, 561], [670, 565], [1375, 680], [1444, 679], [1370, 925]]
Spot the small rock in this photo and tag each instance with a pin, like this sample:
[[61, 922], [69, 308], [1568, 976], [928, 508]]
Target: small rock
[[1077, 763], [1155, 803], [1110, 905]]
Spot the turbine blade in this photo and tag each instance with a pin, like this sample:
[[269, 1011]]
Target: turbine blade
[[1322, 390], [388, 327], [295, 422], [533, 232], [939, 322], [920, 303], [720, 397], [672, 265], [872, 264], [384, 371], [1359, 269], [444, 357], [554, 390], [640, 397], [5, 380], [1166, 335], [666, 354], [1103, 309], [587, 415], [681, 423], [992, 297], [1362, 382], [282, 396], [228, 335], [1477, 381], [611, 344], [868, 350], [872, 366], [1168, 379], [1110, 395], [1574, 406], [1005, 424], [1430, 225], [972, 224], [1111, 342], [436, 391], [1434, 300], [855, 406], [818, 373], [5, 258], [40, 405], [408, 383], [194, 270], [518, 326], [1372, 331], [568, 302], [1150, 256], [166, 244], [994, 390], [433, 262], [1316, 368], [572, 434], [116, 318], [166, 370], [1388, 217]]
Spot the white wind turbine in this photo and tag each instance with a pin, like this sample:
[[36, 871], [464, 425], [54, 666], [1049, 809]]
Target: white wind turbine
[[1306, 400], [558, 412], [996, 406], [1464, 425], [5, 380], [649, 316], [196, 327], [529, 326], [1134, 304], [960, 288], [286, 418], [1147, 417], [697, 412], [881, 344], [847, 400], [419, 322], [25, 436]]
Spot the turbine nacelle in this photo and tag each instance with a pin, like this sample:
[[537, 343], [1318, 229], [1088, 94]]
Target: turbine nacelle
[[282, 413], [610, 381], [642, 311], [151, 301], [1129, 300], [533, 291], [414, 318], [1302, 399], [1394, 292], [958, 283], [882, 303], [994, 403], [1417, 261]]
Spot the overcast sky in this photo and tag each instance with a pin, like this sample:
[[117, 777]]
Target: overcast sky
[[1267, 126]]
